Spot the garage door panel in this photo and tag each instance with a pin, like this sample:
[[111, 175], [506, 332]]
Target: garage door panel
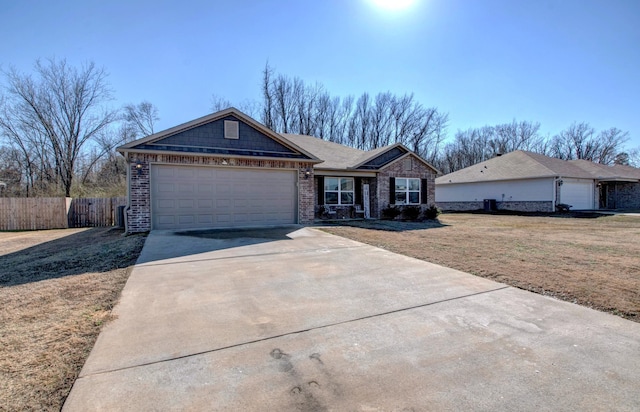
[[186, 204], [191, 197], [165, 172], [205, 203], [185, 188], [206, 189], [185, 172], [166, 188], [166, 204], [223, 219], [205, 220], [223, 204], [166, 220], [206, 172]]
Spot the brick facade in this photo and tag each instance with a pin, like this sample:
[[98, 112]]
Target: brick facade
[[380, 191], [526, 206], [520, 206], [621, 195], [139, 210]]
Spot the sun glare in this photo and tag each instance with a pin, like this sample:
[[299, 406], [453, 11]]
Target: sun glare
[[392, 4]]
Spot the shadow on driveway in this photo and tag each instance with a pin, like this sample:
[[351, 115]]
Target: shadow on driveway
[[166, 244]]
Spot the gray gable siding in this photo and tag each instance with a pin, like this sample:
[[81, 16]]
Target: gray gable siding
[[384, 159], [209, 139]]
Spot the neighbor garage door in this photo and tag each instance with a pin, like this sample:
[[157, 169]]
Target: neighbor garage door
[[577, 193], [185, 197]]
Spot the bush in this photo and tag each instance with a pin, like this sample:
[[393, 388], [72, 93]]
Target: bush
[[390, 212], [411, 212], [431, 212]]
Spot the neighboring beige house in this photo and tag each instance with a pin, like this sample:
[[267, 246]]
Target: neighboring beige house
[[525, 181], [228, 170]]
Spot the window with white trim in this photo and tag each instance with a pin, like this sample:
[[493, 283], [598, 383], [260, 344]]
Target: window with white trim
[[338, 190], [407, 191]]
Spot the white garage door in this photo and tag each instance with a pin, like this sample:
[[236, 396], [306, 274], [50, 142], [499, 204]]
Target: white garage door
[[184, 197], [577, 193]]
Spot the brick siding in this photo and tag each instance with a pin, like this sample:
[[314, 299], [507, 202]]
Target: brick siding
[[621, 195], [380, 191], [530, 206]]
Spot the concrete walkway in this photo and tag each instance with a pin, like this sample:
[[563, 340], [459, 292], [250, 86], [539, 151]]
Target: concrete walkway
[[297, 319]]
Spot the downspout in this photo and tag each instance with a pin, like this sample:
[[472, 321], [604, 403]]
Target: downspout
[[126, 209], [555, 193]]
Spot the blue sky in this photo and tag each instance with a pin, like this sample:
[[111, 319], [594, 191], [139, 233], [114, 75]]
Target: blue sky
[[482, 61]]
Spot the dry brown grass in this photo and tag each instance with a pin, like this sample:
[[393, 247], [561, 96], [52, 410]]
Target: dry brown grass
[[57, 289], [592, 262]]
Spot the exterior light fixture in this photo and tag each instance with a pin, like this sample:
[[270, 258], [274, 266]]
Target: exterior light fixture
[[138, 167], [307, 173]]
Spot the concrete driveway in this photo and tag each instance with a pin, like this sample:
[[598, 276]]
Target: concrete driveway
[[297, 319]]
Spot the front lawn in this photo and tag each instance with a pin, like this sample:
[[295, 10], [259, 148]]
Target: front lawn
[[592, 262], [57, 289]]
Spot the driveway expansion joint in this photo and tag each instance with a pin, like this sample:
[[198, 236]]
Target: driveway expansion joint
[[163, 263], [297, 332]]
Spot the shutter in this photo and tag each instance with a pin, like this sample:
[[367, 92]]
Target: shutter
[[320, 190], [358, 189], [392, 190], [424, 193]]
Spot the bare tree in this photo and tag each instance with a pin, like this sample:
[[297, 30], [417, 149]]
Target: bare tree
[[141, 117], [249, 107], [11, 171], [579, 141], [634, 157], [610, 143], [61, 109], [516, 135], [267, 106]]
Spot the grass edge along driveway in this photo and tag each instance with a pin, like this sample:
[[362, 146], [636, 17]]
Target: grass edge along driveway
[[57, 289], [592, 262]]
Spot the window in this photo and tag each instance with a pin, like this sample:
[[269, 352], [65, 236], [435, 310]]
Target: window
[[338, 190], [407, 191]]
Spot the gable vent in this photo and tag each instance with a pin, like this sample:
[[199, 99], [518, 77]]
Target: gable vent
[[231, 129], [407, 164]]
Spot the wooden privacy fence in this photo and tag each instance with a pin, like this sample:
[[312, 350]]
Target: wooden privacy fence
[[38, 213], [92, 212], [33, 213]]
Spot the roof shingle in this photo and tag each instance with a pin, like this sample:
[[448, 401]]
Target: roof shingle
[[528, 165]]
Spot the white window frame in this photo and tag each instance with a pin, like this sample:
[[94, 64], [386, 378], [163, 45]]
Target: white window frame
[[340, 191], [407, 190]]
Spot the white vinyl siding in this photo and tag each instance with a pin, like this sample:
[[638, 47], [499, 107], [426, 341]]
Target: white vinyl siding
[[525, 190]]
